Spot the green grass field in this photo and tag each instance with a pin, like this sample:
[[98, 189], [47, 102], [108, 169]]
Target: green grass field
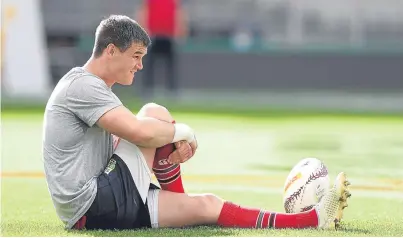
[[241, 159]]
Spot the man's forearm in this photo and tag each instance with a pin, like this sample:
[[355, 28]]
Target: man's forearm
[[144, 131], [151, 132]]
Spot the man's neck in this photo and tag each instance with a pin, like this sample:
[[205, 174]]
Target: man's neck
[[96, 67]]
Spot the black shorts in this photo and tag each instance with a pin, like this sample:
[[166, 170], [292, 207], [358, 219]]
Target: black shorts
[[118, 204]]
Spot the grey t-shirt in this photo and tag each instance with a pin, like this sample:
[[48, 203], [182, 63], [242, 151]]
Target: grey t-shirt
[[75, 149]]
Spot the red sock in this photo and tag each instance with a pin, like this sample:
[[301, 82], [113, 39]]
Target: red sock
[[236, 216], [168, 175]]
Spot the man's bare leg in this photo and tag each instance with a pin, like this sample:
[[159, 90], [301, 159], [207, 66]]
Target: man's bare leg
[[180, 210]]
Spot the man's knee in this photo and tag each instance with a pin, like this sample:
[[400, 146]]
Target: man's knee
[[156, 111], [211, 200], [209, 205]]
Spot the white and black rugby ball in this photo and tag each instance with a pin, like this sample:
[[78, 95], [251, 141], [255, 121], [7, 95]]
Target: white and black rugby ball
[[306, 184]]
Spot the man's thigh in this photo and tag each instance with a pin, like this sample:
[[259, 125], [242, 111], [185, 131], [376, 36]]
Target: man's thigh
[[169, 209]]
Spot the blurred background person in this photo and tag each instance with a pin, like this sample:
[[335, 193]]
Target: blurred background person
[[166, 23]]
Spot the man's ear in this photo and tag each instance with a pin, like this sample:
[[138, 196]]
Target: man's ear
[[110, 49]]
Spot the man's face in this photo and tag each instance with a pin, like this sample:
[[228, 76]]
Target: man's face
[[123, 65]]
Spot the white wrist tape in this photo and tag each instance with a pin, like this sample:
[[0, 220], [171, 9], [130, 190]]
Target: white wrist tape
[[183, 132]]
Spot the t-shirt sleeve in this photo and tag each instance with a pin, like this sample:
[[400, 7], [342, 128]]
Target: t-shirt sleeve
[[89, 98]]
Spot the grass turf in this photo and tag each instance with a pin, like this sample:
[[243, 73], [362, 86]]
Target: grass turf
[[368, 148]]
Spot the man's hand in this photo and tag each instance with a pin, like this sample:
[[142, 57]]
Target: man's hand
[[184, 151]]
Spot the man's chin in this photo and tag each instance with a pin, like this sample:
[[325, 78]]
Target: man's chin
[[127, 83]]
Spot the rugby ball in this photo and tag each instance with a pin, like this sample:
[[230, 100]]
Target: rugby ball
[[305, 185]]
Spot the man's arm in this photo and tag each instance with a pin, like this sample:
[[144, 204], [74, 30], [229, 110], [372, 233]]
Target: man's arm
[[144, 131], [182, 24], [92, 101]]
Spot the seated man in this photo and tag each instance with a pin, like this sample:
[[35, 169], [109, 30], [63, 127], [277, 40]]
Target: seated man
[[95, 185]]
